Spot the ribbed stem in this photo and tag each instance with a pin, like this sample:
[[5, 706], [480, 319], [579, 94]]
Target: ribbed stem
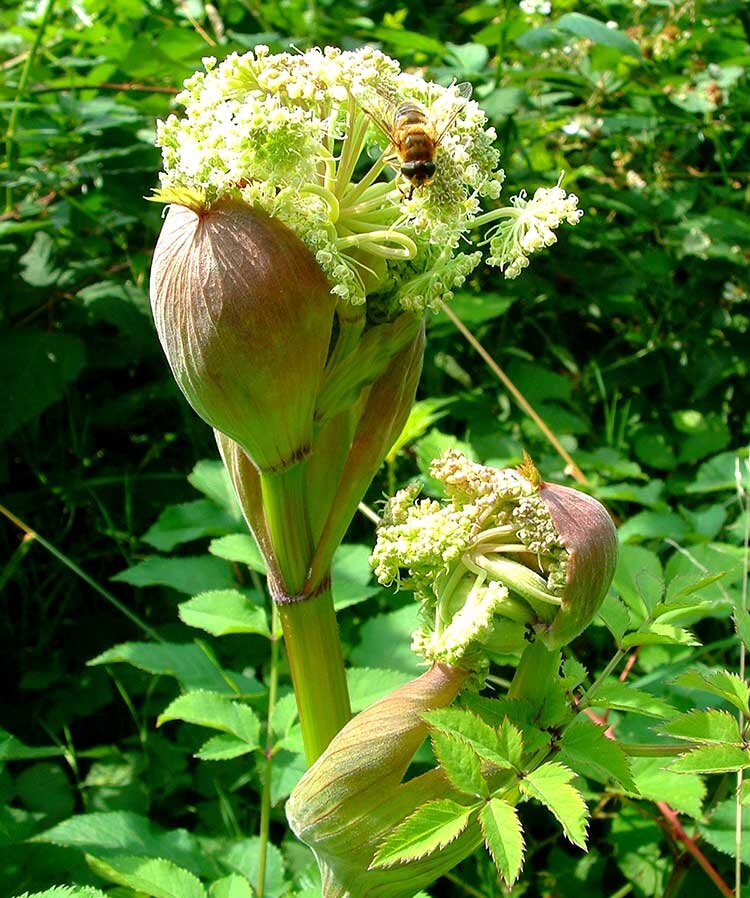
[[285, 505], [317, 668]]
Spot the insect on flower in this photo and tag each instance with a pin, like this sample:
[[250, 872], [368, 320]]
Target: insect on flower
[[415, 131]]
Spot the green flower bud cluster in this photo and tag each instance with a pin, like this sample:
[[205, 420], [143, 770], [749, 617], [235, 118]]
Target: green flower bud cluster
[[504, 555], [289, 133]]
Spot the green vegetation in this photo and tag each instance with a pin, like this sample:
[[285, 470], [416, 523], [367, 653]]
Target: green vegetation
[[149, 729]]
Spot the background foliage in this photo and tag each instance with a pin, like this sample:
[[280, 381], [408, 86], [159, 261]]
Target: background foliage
[[630, 338]]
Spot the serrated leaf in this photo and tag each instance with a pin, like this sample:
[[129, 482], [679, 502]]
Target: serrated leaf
[[107, 833], [684, 585], [428, 829], [66, 892], [712, 759], [216, 711], [726, 685], [155, 877], [639, 579], [232, 886], [224, 611], [574, 673], [351, 575], [654, 633], [550, 784], [742, 625], [615, 616], [368, 685], [240, 548], [244, 858], [704, 726], [622, 697], [503, 752], [657, 783], [460, 763], [189, 575], [503, 837], [586, 750], [210, 477], [186, 522], [720, 830], [187, 662], [223, 747]]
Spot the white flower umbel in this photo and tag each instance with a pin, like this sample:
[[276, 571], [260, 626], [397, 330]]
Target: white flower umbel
[[504, 557], [294, 135]]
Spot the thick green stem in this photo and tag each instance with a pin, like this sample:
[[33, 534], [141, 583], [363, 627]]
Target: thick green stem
[[265, 799], [538, 665], [285, 505], [317, 668]]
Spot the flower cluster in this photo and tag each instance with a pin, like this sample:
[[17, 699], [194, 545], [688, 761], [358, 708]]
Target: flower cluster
[[290, 133], [531, 228], [496, 560]]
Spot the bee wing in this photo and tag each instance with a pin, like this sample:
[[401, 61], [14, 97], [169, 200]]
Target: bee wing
[[379, 105], [462, 94]]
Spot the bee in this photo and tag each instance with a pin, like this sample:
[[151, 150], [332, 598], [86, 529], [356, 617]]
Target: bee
[[415, 132]]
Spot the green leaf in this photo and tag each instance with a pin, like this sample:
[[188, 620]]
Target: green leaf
[[615, 616], [155, 877], [232, 886], [726, 685], [66, 892], [720, 830], [183, 523], [657, 783], [188, 575], [351, 575], [122, 832], [210, 477], [719, 474], [34, 369], [216, 711], [37, 263], [45, 788], [187, 662], [385, 639], [654, 633], [244, 858], [223, 747], [422, 416], [587, 751], [623, 697], [639, 580], [550, 785], [704, 726], [652, 525], [240, 548], [712, 759], [742, 625], [12, 749], [428, 829], [460, 763], [368, 685], [503, 837], [597, 32], [501, 747], [223, 611]]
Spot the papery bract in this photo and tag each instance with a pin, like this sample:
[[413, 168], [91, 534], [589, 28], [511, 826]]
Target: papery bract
[[244, 315]]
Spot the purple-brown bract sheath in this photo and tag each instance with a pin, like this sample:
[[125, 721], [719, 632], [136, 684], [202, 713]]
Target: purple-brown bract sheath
[[587, 532], [244, 315]]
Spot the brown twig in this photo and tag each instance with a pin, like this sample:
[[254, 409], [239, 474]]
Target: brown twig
[[107, 85], [677, 831], [573, 468]]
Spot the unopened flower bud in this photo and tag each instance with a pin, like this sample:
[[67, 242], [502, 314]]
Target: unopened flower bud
[[586, 531], [244, 315], [353, 796]]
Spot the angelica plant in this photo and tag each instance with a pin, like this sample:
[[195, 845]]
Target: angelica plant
[[504, 563], [289, 287]]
